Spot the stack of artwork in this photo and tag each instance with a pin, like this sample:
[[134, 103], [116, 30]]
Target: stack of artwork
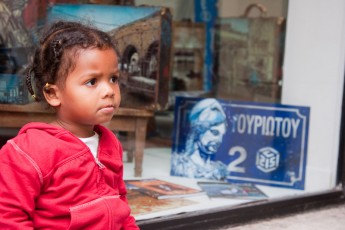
[[153, 195]]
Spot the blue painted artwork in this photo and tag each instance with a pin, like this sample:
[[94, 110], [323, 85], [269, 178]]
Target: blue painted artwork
[[244, 142]]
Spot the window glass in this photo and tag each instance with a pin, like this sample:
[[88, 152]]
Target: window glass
[[223, 102]]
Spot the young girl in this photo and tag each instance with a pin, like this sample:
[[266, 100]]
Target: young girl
[[68, 174]]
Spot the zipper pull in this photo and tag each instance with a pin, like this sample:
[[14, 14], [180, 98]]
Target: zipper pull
[[100, 165]]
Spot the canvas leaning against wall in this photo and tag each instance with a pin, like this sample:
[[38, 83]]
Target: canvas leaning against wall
[[249, 57], [245, 142]]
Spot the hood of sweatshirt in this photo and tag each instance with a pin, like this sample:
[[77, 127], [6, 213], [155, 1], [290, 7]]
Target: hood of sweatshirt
[[49, 145]]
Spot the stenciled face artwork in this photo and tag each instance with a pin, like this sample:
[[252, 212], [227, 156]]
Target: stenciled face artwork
[[212, 138]]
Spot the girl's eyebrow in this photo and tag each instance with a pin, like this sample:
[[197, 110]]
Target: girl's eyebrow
[[116, 73], [99, 73], [91, 71], [89, 76]]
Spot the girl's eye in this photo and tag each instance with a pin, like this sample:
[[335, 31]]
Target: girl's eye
[[91, 82], [114, 79]]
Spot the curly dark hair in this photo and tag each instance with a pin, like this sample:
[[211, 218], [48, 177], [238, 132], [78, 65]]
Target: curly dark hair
[[56, 55]]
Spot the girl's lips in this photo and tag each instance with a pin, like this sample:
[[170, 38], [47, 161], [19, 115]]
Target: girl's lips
[[108, 109]]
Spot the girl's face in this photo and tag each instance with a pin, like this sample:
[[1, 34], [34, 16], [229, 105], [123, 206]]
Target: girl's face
[[91, 93]]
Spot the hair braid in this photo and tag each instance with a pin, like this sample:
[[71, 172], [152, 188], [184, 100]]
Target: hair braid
[[29, 84]]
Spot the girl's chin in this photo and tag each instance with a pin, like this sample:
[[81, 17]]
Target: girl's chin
[[105, 120]]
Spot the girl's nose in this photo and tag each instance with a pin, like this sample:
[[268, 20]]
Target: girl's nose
[[108, 90]]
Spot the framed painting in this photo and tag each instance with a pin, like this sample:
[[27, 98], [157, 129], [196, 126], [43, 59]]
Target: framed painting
[[249, 54]]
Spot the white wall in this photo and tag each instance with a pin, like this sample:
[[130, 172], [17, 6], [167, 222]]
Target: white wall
[[313, 76]]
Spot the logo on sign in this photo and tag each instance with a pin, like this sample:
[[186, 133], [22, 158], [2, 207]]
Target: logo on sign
[[267, 159]]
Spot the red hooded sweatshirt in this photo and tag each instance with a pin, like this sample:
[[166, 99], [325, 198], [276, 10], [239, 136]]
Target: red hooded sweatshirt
[[49, 179]]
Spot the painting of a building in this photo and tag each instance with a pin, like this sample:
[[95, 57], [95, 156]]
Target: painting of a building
[[140, 46]]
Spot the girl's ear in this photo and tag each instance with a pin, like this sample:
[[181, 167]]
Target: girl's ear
[[52, 94]]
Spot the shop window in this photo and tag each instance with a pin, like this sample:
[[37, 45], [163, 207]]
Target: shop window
[[249, 121]]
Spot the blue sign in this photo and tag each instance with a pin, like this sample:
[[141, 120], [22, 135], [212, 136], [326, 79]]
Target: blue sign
[[246, 142]]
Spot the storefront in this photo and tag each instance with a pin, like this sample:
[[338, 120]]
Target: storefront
[[313, 74], [285, 138]]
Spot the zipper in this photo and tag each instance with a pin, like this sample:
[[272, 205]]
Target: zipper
[[100, 165], [100, 172]]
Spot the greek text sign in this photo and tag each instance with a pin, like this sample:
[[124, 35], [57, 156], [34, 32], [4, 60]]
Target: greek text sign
[[262, 143]]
